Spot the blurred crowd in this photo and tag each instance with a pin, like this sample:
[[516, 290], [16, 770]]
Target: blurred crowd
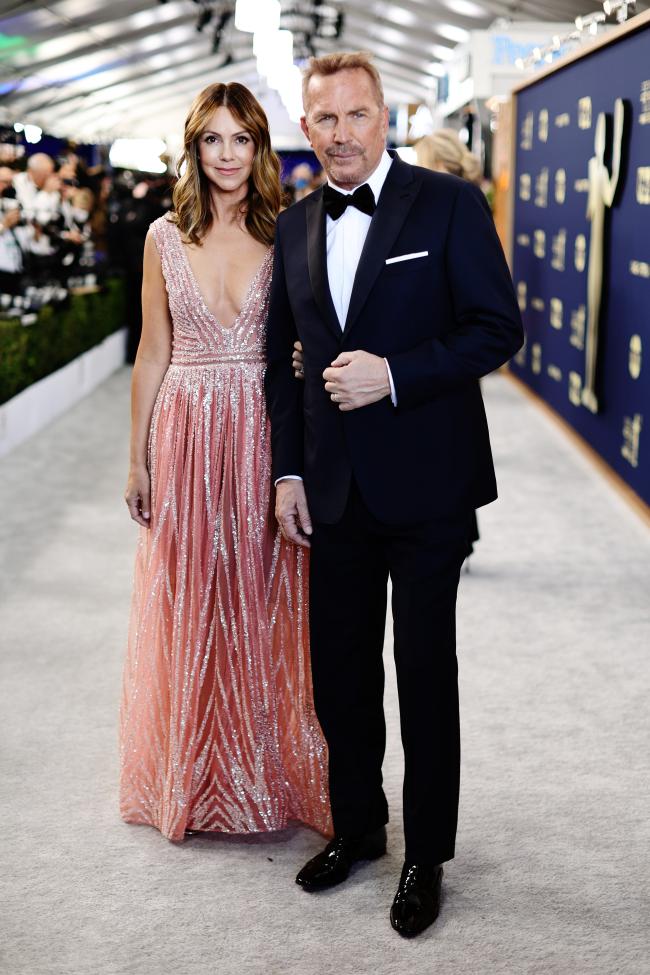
[[64, 226], [50, 224]]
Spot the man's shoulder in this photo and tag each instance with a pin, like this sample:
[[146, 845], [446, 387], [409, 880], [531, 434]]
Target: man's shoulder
[[438, 183]]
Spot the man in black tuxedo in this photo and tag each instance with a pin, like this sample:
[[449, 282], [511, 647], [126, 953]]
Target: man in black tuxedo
[[394, 281]]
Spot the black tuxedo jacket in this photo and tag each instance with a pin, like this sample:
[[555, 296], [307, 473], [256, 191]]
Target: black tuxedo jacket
[[442, 320]]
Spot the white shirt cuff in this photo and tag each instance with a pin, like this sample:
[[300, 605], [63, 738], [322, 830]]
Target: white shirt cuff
[[287, 477], [393, 394]]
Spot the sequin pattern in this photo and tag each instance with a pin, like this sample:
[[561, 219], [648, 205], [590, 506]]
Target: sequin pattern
[[218, 730]]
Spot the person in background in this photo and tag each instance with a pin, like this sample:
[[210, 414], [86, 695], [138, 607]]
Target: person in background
[[37, 189], [444, 152], [14, 236], [301, 177], [72, 229], [38, 192], [139, 210]]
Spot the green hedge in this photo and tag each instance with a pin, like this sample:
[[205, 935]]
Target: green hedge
[[30, 352]]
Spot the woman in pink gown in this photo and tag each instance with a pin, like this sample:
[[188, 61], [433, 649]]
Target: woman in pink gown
[[218, 730]]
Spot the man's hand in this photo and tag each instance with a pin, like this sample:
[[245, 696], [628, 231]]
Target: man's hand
[[356, 379], [10, 218], [292, 512], [298, 361]]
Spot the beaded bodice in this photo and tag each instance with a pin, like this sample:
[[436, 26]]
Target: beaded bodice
[[198, 338]]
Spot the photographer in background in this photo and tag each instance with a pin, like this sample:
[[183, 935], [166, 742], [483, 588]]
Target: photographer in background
[[37, 189], [15, 236]]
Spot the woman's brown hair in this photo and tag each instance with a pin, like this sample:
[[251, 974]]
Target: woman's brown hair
[[192, 211]]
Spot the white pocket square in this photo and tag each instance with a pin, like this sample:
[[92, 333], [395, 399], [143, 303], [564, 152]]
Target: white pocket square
[[407, 257]]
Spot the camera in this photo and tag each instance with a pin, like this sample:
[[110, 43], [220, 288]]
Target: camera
[[9, 202]]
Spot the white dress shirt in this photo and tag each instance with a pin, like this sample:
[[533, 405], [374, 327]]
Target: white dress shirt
[[345, 238]]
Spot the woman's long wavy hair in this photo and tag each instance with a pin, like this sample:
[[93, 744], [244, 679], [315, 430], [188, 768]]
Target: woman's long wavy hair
[[192, 210]]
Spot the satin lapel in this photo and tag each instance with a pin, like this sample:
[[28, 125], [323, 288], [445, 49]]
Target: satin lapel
[[317, 261], [395, 201]]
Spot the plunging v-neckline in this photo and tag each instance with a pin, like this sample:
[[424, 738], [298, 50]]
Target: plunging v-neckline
[[201, 297]]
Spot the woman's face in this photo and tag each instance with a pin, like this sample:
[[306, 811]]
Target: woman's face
[[226, 152]]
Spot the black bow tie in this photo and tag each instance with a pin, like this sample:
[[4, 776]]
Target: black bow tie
[[336, 203]]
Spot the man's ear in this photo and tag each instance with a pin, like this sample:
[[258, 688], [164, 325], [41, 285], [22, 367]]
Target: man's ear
[[305, 128]]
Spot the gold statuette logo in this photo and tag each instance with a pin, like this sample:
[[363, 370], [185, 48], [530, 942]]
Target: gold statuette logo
[[541, 188], [584, 113], [632, 426], [643, 185], [644, 114], [580, 252], [575, 388], [558, 249], [542, 125], [602, 190], [563, 120], [555, 373], [634, 362], [578, 322], [556, 312], [527, 131], [536, 358], [522, 290], [560, 186], [640, 269], [539, 243]]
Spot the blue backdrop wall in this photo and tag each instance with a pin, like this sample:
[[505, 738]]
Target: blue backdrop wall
[[556, 119]]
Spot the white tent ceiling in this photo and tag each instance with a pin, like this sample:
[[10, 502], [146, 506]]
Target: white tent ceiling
[[94, 69]]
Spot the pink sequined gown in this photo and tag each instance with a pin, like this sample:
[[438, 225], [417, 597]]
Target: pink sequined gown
[[218, 730]]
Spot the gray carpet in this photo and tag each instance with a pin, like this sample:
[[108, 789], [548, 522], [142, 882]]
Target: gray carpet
[[551, 874]]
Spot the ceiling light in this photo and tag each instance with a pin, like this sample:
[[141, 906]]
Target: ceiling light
[[442, 53], [252, 16], [451, 32], [465, 8], [400, 16], [33, 133]]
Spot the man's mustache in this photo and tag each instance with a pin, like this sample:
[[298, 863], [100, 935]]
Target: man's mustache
[[345, 149]]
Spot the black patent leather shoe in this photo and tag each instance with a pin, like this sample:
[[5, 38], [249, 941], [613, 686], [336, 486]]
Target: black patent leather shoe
[[332, 865], [417, 901]]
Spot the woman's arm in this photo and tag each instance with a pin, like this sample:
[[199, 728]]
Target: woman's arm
[[151, 362]]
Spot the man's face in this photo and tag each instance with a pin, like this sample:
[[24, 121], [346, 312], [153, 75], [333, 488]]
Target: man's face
[[41, 171], [345, 126]]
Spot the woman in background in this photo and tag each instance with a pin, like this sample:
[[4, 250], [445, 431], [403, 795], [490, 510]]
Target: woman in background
[[444, 152], [218, 730]]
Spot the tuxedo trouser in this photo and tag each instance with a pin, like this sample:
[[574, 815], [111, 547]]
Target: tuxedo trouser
[[350, 564]]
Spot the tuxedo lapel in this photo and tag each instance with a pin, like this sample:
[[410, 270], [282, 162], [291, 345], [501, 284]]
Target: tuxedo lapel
[[317, 260], [394, 203]]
